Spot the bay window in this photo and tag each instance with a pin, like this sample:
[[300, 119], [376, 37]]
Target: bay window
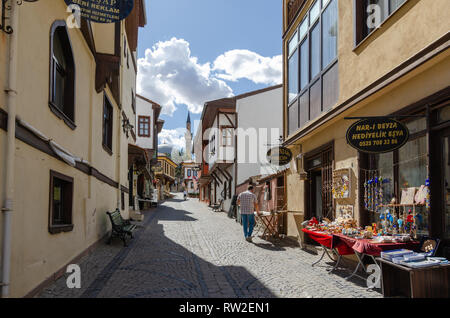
[[312, 65]]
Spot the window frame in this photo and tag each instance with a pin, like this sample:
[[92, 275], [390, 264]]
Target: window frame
[[68, 225], [229, 138], [139, 126], [133, 101], [69, 91], [360, 12], [318, 22], [107, 104]]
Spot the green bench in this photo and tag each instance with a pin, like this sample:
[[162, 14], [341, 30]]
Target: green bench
[[120, 227]]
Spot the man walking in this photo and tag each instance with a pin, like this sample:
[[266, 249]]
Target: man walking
[[249, 203]]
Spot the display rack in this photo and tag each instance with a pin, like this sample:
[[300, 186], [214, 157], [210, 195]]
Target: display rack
[[399, 205]]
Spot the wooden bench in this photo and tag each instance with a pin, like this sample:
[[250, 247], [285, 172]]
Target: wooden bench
[[217, 207], [120, 227]]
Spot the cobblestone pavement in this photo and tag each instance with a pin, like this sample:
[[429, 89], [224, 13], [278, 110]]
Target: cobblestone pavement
[[183, 249]]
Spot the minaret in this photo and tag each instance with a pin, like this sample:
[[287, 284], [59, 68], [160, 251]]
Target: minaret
[[188, 138]]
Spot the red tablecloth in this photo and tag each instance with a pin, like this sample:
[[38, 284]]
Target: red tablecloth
[[327, 241], [365, 246]]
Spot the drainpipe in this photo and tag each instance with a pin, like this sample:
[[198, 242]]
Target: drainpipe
[[10, 152]]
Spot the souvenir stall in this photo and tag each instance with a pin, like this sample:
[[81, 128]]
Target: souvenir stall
[[396, 229]]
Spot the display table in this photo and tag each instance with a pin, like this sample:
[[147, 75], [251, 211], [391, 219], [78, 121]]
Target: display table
[[326, 241], [366, 248], [269, 222], [428, 282]]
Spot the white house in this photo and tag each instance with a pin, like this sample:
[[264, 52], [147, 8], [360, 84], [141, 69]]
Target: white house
[[190, 176], [260, 121], [148, 125]]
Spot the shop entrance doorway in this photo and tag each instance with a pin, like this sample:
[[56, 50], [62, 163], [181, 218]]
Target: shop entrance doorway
[[318, 187], [316, 194]]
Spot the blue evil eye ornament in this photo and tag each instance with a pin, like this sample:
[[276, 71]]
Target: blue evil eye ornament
[[427, 182], [390, 218]]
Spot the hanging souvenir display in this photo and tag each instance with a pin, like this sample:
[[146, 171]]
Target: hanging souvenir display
[[341, 183], [428, 195]]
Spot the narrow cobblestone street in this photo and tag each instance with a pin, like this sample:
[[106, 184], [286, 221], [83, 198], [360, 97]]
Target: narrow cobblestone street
[[183, 249]]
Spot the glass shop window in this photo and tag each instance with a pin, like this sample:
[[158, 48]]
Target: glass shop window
[[412, 170], [401, 174], [382, 194]]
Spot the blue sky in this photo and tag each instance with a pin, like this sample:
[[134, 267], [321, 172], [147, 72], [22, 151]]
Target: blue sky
[[207, 49]]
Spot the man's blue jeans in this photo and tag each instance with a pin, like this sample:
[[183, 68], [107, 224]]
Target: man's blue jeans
[[248, 222]]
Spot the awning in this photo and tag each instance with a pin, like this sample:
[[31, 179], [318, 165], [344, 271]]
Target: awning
[[137, 155]]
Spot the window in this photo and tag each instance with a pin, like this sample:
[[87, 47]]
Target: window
[[404, 168], [315, 51], [366, 15], [212, 143], [133, 101], [329, 34], [61, 198], [107, 124], [188, 172], [62, 75], [144, 126], [312, 65], [293, 76], [225, 192], [304, 64], [227, 137]]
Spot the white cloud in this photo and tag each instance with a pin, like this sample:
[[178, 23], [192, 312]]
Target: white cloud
[[173, 137], [169, 75], [239, 64]]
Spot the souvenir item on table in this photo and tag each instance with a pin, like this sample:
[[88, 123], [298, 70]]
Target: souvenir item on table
[[388, 255], [442, 260], [313, 221], [401, 238], [414, 257], [374, 228], [421, 264], [408, 195]]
